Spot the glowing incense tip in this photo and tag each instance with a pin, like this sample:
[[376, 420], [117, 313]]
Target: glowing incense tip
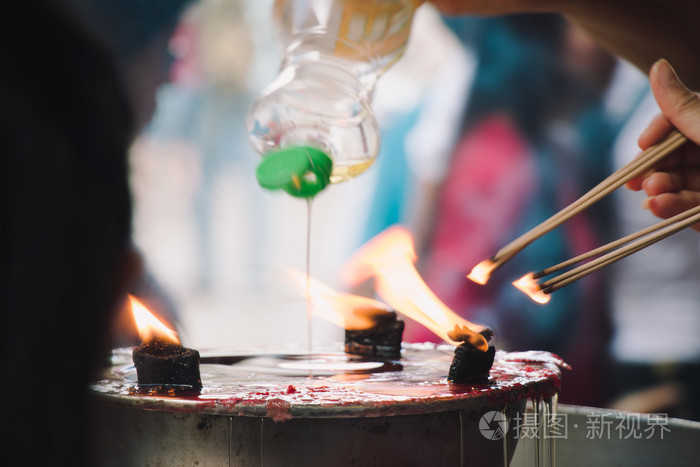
[[529, 286], [481, 272]]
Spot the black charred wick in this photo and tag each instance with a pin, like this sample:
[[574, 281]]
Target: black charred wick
[[488, 334], [471, 365], [162, 363]]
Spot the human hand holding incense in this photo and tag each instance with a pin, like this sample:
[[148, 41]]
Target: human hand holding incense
[[674, 185], [675, 181]]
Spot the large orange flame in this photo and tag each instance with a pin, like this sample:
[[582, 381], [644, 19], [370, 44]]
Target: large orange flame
[[150, 327], [389, 258], [348, 311], [529, 286]]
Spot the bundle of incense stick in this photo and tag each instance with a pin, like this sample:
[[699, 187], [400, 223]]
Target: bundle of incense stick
[[644, 238], [643, 163]]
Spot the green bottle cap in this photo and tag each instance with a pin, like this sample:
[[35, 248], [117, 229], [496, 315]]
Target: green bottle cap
[[301, 171]]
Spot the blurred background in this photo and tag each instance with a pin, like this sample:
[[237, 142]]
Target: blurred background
[[489, 126], [213, 240]]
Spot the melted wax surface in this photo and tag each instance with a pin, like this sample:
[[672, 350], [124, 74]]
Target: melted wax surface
[[283, 384]]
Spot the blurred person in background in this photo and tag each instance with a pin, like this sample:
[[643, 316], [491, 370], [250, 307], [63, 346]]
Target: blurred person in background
[[536, 135], [418, 104], [198, 131], [78, 84], [655, 346]]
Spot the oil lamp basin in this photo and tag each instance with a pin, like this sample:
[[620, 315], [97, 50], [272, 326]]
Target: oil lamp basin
[[283, 407]]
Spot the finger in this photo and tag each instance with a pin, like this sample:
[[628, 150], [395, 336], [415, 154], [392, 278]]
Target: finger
[[679, 105], [667, 163], [669, 204], [657, 129], [662, 182], [672, 181], [686, 156]]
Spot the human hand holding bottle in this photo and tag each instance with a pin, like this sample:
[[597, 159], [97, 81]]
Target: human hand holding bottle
[[635, 31]]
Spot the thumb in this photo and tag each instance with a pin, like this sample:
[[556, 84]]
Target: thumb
[[678, 104]]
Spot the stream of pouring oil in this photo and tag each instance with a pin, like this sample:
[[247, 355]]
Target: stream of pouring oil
[[308, 281]]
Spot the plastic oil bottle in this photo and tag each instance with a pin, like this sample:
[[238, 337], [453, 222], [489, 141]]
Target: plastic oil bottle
[[314, 124]]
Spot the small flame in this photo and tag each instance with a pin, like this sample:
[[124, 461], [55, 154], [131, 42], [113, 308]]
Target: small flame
[[150, 327], [389, 258], [481, 272], [464, 334], [529, 286], [348, 311]]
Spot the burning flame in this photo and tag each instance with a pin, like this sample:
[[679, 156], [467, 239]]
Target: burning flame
[[389, 258], [529, 286], [348, 311], [148, 325], [464, 334], [481, 272]]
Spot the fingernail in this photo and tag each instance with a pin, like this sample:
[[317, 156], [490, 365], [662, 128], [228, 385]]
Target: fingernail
[[644, 183], [645, 203], [665, 73]]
